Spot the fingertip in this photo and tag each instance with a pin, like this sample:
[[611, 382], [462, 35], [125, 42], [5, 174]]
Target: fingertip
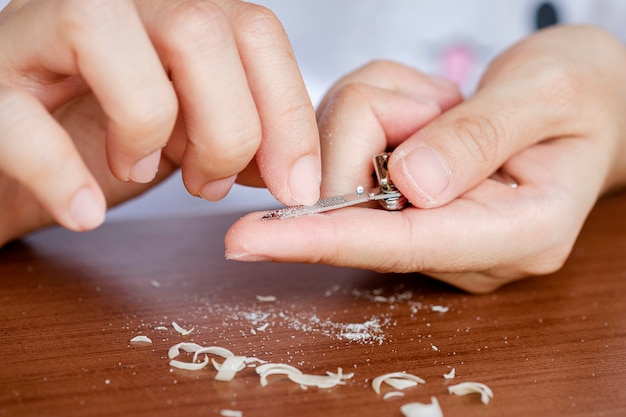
[[87, 210], [304, 180], [424, 172], [217, 189], [146, 168], [237, 243]]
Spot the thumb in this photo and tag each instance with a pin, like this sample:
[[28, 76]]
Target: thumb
[[464, 146]]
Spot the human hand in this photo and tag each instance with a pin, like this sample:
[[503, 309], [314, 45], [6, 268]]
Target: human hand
[[96, 96], [548, 113]]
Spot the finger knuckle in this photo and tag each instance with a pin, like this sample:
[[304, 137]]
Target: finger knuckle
[[479, 136], [242, 143], [233, 149], [352, 91], [78, 18], [146, 117], [382, 66], [258, 22], [297, 113], [351, 95], [200, 25]]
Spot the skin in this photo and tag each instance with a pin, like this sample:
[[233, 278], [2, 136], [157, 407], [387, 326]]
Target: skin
[[549, 113], [102, 99]]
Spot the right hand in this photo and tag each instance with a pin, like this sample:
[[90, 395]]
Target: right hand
[[549, 112]]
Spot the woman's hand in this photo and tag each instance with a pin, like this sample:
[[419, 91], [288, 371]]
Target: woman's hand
[[96, 96], [549, 113]]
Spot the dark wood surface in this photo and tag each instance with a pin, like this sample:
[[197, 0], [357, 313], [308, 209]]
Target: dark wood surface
[[70, 303]]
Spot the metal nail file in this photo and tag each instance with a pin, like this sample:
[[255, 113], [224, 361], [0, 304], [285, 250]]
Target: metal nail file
[[386, 194]]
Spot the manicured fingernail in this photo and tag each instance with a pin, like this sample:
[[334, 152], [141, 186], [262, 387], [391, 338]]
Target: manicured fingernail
[[216, 190], [86, 210], [145, 170], [304, 181], [427, 170]]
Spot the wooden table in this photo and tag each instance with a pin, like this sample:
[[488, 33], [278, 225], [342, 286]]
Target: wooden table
[[70, 303]]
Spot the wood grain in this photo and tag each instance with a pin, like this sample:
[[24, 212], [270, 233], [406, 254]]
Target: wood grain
[[70, 303]]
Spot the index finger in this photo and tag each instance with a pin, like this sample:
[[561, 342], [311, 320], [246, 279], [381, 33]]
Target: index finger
[[412, 240], [289, 154]]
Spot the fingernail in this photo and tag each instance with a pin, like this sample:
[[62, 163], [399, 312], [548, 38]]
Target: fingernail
[[216, 190], [427, 170], [145, 170], [246, 257], [86, 210], [304, 181]]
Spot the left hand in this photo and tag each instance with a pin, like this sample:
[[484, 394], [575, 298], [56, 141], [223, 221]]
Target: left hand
[[549, 112], [97, 96]]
